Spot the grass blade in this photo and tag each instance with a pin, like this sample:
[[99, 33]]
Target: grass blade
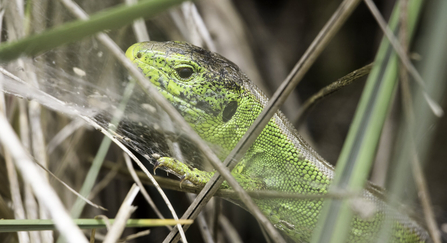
[[360, 146], [420, 133], [110, 19], [14, 225]]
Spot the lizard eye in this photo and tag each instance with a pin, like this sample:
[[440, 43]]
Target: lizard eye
[[229, 111], [184, 72]]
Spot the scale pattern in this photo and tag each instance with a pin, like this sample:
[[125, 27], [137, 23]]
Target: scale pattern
[[220, 103]]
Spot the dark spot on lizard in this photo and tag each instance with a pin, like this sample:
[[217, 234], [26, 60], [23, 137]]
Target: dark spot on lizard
[[205, 106], [229, 111]]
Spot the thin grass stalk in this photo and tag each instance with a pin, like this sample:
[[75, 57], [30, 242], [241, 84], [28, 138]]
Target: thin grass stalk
[[143, 190], [433, 48], [407, 102], [126, 209], [30, 130], [100, 156], [231, 38], [31, 211], [64, 133], [198, 32], [108, 178], [136, 235], [139, 26], [14, 225], [41, 188], [90, 178], [328, 90], [2, 14], [138, 162], [68, 187], [405, 60], [231, 233], [417, 171], [39, 152], [16, 198], [203, 226], [19, 211], [360, 146], [113, 18], [16, 20]]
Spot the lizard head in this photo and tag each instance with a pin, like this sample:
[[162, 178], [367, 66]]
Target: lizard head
[[206, 88]]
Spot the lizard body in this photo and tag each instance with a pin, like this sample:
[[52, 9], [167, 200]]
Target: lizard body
[[221, 103]]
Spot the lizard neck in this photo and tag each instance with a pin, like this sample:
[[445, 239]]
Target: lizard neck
[[224, 137], [278, 156]]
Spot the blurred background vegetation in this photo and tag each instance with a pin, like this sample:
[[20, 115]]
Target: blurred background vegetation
[[266, 39]]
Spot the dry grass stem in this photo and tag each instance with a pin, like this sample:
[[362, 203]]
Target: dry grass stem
[[64, 133], [328, 90], [122, 216], [140, 185], [230, 232], [41, 188], [436, 108], [118, 53], [139, 27]]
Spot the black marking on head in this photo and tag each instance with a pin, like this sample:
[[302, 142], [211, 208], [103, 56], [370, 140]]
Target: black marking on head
[[205, 106], [182, 95], [229, 111]]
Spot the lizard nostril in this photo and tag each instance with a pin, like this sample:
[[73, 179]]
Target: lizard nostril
[[139, 55]]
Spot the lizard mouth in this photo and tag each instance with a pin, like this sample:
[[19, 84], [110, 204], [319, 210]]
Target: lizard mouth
[[185, 108]]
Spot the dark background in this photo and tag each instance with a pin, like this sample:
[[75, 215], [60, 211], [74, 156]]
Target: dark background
[[276, 34]]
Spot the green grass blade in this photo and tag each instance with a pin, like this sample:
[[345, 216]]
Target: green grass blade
[[432, 68], [93, 172], [14, 225], [113, 18], [360, 146]]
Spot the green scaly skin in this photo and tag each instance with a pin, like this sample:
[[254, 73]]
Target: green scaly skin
[[220, 103]]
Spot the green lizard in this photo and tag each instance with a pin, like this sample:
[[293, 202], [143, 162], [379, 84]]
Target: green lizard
[[220, 103]]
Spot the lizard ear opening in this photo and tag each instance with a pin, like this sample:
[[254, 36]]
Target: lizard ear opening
[[229, 111]]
